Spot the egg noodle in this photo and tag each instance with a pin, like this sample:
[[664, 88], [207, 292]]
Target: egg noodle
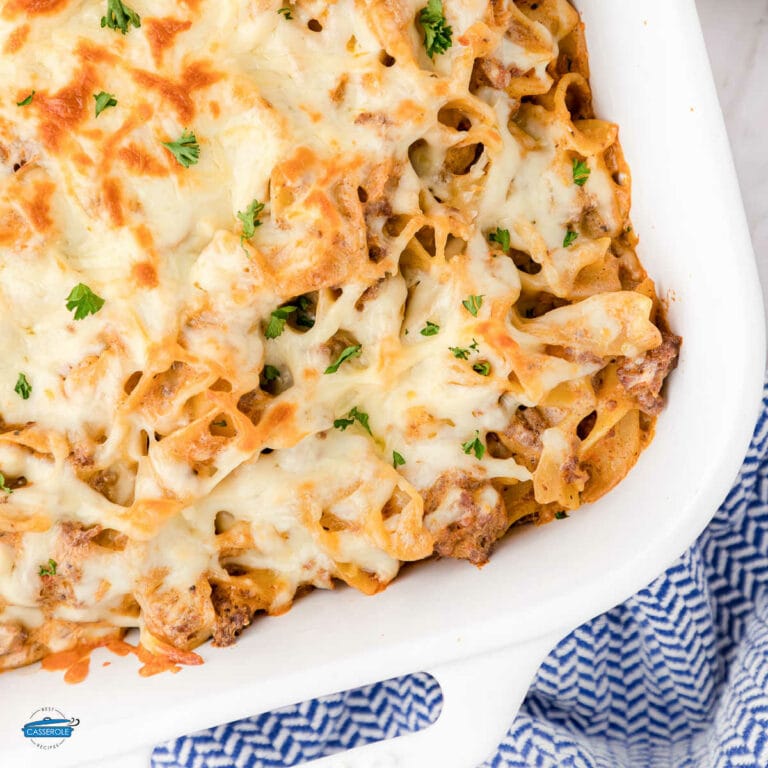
[[295, 292]]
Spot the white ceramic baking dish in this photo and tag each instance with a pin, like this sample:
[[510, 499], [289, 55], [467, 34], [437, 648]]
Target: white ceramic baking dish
[[483, 633]]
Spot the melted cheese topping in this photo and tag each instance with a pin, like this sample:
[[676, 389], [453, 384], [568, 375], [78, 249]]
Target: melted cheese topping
[[181, 466]]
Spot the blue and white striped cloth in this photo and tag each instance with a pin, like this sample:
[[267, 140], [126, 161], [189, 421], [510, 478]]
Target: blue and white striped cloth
[[676, 677]]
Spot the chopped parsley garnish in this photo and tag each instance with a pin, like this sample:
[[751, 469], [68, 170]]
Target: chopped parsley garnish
[[483, 368], [83, 301], [104, 100], [250, 219], [462, 353], [580, 172], [27, 101], [570, 236], [397, 459], [271, 373], [474, 446], [472, 304], [186, 150], [353, 416], [277, 320], [430, 329], [437, 32], [3, 486], [120, 16], [23, 388], [285, 11], [49, 569], [561, 515], [500, 236], [347, 354]]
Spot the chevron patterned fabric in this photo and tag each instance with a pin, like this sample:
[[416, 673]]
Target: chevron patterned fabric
[[676, 677]]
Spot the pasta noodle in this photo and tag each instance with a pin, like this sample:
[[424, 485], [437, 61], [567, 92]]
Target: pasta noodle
[[294, 293]]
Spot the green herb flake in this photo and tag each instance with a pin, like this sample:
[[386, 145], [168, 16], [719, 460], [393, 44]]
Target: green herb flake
[[462, 353], [285, 12], [120, 16], [218, 423], [397, 459], [277, 320], [483, 368], [353, 416], [49, 569], [472, 304], [580, 172], [437, 33], [250, 219], [561, 515], [569, 238], [271, 373], [83, 301], [27, 101], [3, 486], [500, 236], [23, 388], [104, 101], [186, 150], [430, 329], [474, 446], [347, 354]]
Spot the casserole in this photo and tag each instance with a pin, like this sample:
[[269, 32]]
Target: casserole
[[541, 582]]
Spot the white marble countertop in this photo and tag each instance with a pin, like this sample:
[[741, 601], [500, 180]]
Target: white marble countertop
[[736, 32]]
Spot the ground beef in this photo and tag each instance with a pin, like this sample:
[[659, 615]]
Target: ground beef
[[642, 377], [481, 518]]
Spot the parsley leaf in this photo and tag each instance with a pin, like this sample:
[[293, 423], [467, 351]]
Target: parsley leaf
[[472, 304], [120, 16], [570, 236], [580, 172], [23, 388], [271, 373], [27, 101], [430, 329], [437, 33], [483, 368], [49, 569], [186, 150], [561, 515], [84, 301], [462, 353], [474, 446], [474, 346], [397, 459], [285, 11], [353, 416], [250, 219], [347, 354], [104, 100], [277, 320], [500, 236], [3, 486]]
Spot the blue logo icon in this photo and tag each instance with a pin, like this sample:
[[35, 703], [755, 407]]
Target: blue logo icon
[[48, 728]]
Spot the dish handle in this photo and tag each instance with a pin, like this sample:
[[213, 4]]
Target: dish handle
[[481, 697]]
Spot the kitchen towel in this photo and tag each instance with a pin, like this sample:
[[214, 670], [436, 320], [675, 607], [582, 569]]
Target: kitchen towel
[[676, 677]]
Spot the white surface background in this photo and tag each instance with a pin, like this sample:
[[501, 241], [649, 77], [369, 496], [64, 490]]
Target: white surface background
[[736, 32]]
